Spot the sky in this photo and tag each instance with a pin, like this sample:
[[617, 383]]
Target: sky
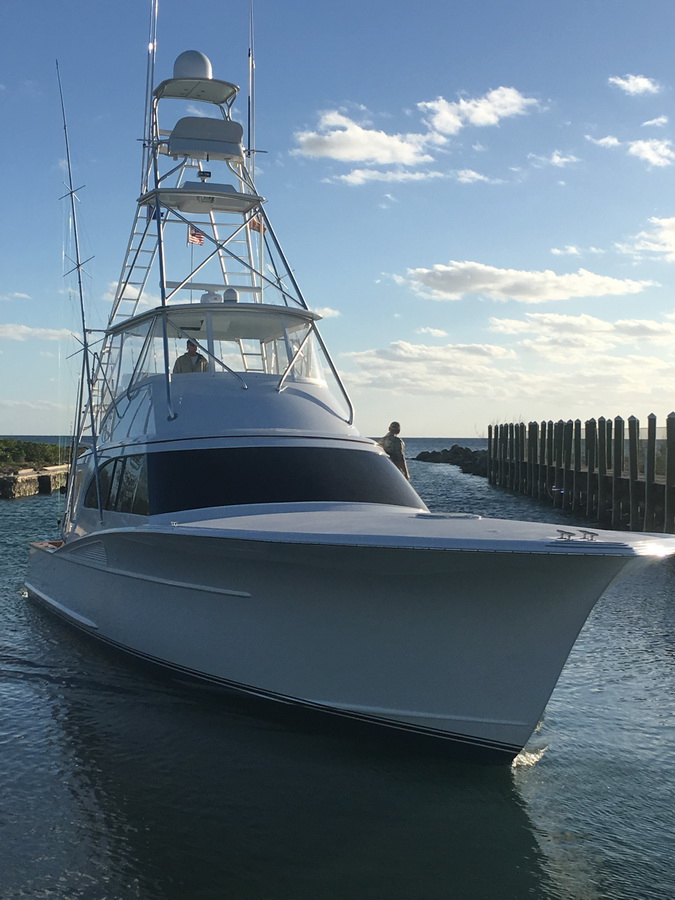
[[478, 197]]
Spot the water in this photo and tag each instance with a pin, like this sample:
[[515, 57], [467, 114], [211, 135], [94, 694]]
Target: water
[[117, 783]]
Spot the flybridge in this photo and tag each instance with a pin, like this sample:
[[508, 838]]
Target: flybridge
[[198, 206], [202, 262]]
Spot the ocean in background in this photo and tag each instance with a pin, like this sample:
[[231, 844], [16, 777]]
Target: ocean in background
[[118, 782]]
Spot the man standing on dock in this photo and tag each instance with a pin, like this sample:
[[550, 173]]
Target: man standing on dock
[[394, 447]]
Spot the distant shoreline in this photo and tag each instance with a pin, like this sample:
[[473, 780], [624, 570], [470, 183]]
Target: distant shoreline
[[39, 438]]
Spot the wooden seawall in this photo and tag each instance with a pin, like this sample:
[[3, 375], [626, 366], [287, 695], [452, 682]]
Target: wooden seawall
[[607, 470]]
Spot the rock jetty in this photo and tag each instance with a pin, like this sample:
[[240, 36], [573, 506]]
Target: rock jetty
[[28, 482], [471, 462]]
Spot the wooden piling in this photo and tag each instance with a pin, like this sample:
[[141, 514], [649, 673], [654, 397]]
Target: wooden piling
[[568, 437], [617, 473], [669, 504], [512, 455], [591, 448], [575, 492], [602, 469], [650, 475], [541, 475], [489, 456], [532, 430], [591, 468], [635, 492]]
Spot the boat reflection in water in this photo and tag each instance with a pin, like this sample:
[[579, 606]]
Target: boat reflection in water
[[180, 794], [232, 524]]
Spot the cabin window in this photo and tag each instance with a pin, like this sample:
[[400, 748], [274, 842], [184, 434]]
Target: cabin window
[[124, 486], [105, 474], [198, 479], [195, 479], [132, 496]]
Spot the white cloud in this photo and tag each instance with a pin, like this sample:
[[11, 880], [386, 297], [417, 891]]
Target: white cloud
[[404, 350], [584, 350], [608, 141], [362, 176], [451, 370], [572, 362], [469, 176], [557, 323], [149, 300], [341, 138], [659, 121], [654, 152], [659, 241], [327, 312], [555, 159], [15, 295], [549, 322], [573, 337], [434, 332], [37, 405], [459, 279], [193, 110], [636, 84], [387, 201], [449, 117], [24, 333], [572, 250]]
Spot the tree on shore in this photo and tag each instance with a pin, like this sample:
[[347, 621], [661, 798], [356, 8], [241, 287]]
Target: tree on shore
[[29, 454]]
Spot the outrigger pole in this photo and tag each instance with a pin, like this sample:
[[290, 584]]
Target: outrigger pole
[[86, 363], [150, 151]]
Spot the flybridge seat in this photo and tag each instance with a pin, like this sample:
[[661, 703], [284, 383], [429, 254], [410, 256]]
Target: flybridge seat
[[197, 137]]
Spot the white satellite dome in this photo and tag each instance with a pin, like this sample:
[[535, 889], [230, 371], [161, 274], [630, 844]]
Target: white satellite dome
[[192, 64]]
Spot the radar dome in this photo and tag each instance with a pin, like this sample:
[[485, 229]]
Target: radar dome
[[192, 64]]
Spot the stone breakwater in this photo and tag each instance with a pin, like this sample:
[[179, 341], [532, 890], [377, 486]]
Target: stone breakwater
[[471, 462], [28, 482]]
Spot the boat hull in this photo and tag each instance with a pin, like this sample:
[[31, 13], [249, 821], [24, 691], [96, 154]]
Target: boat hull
[[463, 647]]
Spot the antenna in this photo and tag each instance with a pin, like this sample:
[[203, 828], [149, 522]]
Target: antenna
[[250, 150], [148, 136], [86, 363]]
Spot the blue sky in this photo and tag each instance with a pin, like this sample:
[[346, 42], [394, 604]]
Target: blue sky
[[479, 197]]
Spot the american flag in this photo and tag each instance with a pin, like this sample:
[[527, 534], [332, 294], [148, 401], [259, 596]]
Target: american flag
[[195, 236]]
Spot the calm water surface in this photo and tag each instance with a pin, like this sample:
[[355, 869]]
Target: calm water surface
[[117, 783]]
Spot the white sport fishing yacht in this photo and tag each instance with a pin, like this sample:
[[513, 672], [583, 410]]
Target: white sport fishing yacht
[[228, 521]]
